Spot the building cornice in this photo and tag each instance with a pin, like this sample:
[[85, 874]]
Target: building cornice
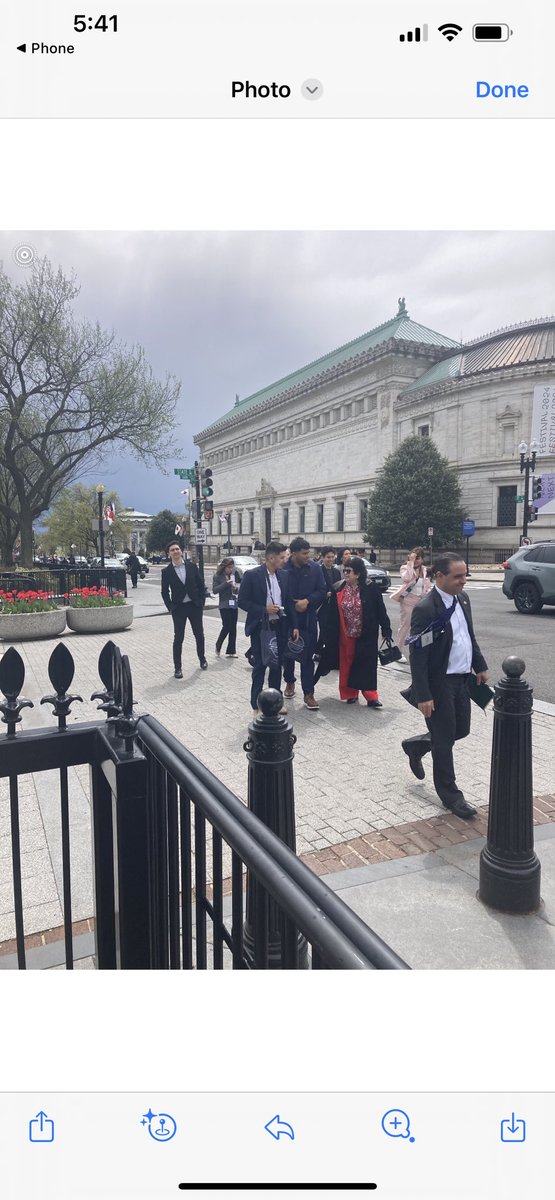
[[308, 386]]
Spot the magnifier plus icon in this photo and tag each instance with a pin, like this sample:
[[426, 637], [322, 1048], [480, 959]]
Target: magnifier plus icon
[[396, 1124]]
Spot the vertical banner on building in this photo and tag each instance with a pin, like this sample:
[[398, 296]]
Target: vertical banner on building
[[545, 504], [543, 419]]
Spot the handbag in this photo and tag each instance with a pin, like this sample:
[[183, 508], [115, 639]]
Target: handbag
[[389, 654], [269, 648], [295, 649]]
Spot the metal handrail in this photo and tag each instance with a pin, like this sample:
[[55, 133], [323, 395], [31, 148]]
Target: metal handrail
[[320, 914]]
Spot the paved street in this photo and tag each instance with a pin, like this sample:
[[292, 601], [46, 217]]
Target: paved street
[[357, 803]]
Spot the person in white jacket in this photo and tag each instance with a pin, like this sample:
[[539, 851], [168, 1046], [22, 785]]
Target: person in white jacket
[[414, 585]]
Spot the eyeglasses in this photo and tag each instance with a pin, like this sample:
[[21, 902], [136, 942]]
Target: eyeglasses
[[348, 571]]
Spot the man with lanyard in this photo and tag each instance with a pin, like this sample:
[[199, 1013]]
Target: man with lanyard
[[443, 653], [264, 595], [183, 593], [308, 590]]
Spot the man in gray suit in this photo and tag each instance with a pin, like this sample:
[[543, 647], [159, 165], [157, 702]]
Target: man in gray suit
[[443, 654]]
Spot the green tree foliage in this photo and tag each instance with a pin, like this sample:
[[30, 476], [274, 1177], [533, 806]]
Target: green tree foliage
[[70, 522], [416, 488], [162, 529], [70, 393]]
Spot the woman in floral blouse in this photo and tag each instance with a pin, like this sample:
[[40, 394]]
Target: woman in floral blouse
[[349, 641]]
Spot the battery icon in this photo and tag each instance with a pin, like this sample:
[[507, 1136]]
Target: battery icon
[[491, 33]]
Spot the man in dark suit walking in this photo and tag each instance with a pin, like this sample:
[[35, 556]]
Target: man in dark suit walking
[[264, 595], [183, 593], [443, 654]]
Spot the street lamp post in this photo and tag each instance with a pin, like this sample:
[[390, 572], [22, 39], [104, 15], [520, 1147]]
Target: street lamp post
[[100, 493], [527, 465]]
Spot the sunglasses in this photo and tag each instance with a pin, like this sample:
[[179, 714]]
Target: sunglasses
[[348, 571]]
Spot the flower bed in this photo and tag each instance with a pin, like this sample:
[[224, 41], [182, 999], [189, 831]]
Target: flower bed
[[25, 615], [94, 610]]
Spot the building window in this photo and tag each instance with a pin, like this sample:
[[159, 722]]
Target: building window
[[372, 403], [285, 519], [239, 522], [302, 518], [508, 439], [315, 422], [319, 518], [325, 419], [363, 514], [347, 411], [340, 516], [336, 415], [506, 506], [423, 431], [358, 407], [251, 521]]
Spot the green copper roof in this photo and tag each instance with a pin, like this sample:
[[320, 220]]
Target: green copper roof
[[448, 368], [401, 328]]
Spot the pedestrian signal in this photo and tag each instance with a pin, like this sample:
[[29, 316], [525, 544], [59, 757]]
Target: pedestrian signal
[[532, 514], [207, 483], [537, 488], [208, 510]]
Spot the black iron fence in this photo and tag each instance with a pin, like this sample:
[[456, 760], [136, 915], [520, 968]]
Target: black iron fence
[[185, 875], [58, 581]]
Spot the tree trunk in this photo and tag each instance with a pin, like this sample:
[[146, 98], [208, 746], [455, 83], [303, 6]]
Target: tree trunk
[[26, 535]]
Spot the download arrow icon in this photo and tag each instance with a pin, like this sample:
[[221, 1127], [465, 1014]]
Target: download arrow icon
[[279, 1128]]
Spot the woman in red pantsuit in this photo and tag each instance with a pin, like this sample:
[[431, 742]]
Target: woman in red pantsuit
[[349, 640]]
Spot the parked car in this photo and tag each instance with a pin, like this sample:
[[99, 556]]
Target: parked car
[[108, 562], [377, 575], [156, 559], [530, 577], [244, 562]]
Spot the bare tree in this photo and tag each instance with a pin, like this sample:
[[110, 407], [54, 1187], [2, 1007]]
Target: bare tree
[[69, 391]]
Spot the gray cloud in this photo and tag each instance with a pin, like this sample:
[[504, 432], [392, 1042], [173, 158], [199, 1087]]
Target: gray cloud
[[231, 312]]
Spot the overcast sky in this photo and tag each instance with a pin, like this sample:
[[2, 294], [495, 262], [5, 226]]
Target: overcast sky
[[230, 313]]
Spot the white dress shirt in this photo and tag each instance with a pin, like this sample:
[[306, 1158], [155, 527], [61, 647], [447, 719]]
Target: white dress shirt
[[460, 658], [181, 571], [274, 591]]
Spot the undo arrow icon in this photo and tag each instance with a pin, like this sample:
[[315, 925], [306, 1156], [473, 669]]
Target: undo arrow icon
[[279, 1128]]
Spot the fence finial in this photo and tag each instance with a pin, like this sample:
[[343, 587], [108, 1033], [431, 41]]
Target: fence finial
[[12, 678], [61, 669]]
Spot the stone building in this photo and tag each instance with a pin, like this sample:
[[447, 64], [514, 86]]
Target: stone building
[[301, 455], [136, 524]]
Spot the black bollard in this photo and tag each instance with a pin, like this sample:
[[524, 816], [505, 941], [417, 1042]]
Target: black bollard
[[271, 797], [510, 870]]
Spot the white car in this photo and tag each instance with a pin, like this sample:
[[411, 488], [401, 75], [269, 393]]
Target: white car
[[108, 562], [244, 562]]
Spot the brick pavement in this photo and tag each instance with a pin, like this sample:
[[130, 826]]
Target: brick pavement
[[356, 800]]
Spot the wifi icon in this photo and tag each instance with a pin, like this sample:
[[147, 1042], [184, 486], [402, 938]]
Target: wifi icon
[[450, 30]]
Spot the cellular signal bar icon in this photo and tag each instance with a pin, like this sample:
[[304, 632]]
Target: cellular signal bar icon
[[416, 35]]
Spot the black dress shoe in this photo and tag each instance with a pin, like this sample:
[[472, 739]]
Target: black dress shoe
[[353, 700], [415, 762], [203, 664], [374, 704], [178, 674], [460, 808]]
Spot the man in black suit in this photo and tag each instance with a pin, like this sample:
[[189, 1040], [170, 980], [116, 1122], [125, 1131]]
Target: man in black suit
[[264, 595], [183, 593], [443, 653]]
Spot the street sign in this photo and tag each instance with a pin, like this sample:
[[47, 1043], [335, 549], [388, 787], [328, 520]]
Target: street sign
[[519, 499], [469, 528], [185, 473], [430, 531], [200, 537], [525, 541], [95, 524]]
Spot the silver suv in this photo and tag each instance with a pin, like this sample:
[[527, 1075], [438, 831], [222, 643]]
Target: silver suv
[[530, 577]]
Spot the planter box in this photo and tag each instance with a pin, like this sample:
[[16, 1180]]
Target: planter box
[[100, 620], [20, 627]]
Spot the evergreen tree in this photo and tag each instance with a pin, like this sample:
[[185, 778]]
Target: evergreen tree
[[416, 488], [162, 529]]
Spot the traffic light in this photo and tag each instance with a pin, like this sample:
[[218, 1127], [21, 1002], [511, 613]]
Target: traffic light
[[532, 513], [537, 488], [207, 483], [208, 510]]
